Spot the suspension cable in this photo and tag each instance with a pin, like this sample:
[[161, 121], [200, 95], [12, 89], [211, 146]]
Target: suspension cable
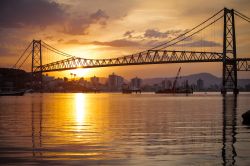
[[14, 66], [182, 34], [24, 61], [189, 30], [193, 33], [242, 14], [56, 50], [248, 20]]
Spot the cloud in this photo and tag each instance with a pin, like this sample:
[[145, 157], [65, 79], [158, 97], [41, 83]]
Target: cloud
[[80, 25], [5, 52], [201, 43], [113, 43], [75, 41], [22, 13], [118, 43], [146, 44], [128, 34], [152, 33], [99, 15]]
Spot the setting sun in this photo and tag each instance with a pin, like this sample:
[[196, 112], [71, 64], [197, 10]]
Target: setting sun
[[80, 72]]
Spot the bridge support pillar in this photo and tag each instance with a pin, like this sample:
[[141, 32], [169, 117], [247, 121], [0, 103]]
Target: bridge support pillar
[[36, 70], [229, 79]]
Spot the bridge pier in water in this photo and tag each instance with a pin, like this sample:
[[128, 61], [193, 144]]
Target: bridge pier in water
[[37, 77], [229, 74]]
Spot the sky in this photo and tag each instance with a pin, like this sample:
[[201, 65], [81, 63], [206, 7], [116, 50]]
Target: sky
[[113, 28]]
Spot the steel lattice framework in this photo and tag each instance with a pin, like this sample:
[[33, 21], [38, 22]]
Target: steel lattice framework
[[243, 64], [37, 62], [229, 74], [150, 57]]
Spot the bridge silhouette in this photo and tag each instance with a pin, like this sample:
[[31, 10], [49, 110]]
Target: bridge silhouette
[[160, 54]]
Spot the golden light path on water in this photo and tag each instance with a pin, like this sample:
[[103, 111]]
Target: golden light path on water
[[80, 110]]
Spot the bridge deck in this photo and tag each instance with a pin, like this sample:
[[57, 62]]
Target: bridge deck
[[149, 57]]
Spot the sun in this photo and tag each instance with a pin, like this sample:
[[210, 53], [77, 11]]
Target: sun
[[80, 72]]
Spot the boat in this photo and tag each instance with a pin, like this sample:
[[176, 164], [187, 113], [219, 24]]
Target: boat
[[10, 92], [187, 89], [128, 91]]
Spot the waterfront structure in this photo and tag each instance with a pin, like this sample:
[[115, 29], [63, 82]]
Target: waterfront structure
[[136, 83], [166, 84], [115, 82], [94, 81], [200, 84]]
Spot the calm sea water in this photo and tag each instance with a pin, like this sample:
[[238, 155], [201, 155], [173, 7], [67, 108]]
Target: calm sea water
[[124, 129]]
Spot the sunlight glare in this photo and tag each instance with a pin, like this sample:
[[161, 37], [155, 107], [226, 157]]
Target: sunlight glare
[[81, 72], [80, 110]]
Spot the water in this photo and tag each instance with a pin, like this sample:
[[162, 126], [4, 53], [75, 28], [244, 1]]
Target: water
[[124, 129]]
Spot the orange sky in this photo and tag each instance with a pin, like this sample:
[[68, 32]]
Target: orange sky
[[111, 28]]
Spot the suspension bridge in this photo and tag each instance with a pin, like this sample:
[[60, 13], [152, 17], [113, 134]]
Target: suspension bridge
[[179, 49]]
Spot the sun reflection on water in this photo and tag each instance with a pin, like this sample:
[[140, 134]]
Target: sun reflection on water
[[80, 110]]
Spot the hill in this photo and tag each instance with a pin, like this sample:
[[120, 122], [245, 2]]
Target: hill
[[208, 79]]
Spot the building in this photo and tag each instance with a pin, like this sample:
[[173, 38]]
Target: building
[[200, 84], [94, 81], [83, 82], [115, 82], [136, 83], [166, 84]]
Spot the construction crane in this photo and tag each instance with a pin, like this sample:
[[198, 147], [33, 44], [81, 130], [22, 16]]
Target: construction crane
[[175, 81]]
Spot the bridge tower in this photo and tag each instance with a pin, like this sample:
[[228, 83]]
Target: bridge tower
[[37, 80], [229, 81]]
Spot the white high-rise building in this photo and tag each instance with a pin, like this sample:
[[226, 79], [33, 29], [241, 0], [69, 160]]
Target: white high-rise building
[[200, 84], [115, 82], [136, 83], [166, 84], [94, 81]]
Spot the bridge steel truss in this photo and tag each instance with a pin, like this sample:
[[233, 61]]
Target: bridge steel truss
[[151, 57]]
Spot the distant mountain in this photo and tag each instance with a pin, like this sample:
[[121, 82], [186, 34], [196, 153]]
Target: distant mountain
[[208, 79]]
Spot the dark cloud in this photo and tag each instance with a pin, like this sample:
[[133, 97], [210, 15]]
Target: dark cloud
[[5, 52], [153, 43], [146, 44], [201, 43], [113, 43], [128, 34], [152, 33], [60, 40], [80, 25], [118, 43], [99, 15], [21, 13], [75, 41], [49, 38]]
